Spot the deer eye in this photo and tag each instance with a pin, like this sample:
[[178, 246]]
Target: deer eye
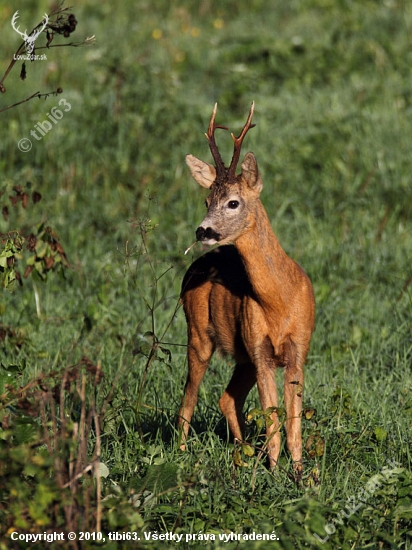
[[233, 205]]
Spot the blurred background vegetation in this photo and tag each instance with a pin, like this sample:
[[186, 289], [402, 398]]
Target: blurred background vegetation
[[332, 83]]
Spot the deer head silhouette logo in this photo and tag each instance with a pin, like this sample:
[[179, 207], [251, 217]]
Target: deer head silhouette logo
[[30, 39]]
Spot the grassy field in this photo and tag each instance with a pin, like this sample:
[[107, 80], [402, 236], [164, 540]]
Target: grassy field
[[92, 358]]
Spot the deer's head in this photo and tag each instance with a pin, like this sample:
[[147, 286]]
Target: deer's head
[[231, 198]]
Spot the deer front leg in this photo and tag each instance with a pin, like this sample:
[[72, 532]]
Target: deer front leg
[[269, 399], [198, 362], [268, 395], [293, 405]]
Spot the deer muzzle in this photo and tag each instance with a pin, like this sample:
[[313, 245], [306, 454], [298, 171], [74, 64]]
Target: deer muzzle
[[207, 236]]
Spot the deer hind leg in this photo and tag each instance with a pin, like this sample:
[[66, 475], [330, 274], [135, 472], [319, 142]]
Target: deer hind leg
[[293, 404], [198, 356], [233, 399]]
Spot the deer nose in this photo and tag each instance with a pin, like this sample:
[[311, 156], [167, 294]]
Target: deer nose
[[203, 234]]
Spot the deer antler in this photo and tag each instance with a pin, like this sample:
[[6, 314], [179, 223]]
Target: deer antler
[[220, 166], [37, 33], [238, 143], [13, 24]]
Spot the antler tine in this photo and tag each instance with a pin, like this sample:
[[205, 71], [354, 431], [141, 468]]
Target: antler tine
[[13, 24], [210, 135], [238, 142]]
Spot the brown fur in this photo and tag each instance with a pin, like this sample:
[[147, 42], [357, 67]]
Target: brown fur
[[248, 300]]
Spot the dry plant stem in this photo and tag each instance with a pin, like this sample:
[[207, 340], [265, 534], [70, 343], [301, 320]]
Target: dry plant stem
[[11, 65], [73, 480], [151, 306], [97, 474], [62, 386], [45, 430], [72, 457], [152, 355], [83, 431], [37, 94], [66, 442], [81, 434], [86, 42], [149, 361], [112, 389], [54, 417]]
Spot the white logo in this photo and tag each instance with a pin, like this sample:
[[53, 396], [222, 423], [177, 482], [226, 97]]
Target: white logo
[[29, 39]]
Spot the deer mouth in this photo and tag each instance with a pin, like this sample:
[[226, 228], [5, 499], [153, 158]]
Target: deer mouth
[[207, 236]]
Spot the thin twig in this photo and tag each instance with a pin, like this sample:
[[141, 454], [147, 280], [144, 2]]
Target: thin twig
[[86, 42], [97, 473], [78, 476], [37, 94]]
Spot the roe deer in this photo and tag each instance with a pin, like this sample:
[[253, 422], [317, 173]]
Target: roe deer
[[247, 299]]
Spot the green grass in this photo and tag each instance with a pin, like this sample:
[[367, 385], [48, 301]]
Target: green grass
[[332, 85]]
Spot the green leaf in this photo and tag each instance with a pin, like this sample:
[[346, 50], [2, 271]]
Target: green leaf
[[102, 469], [380, 433], [248, 450]]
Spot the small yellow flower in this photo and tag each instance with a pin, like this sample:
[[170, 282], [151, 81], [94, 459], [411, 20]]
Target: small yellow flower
[[157, 34], [218, 23]]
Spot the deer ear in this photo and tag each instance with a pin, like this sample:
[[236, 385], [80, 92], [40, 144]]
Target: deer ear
[[203, 173], [250, 173]]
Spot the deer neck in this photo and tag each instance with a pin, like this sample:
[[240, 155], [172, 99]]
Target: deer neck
[[265, 261]]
